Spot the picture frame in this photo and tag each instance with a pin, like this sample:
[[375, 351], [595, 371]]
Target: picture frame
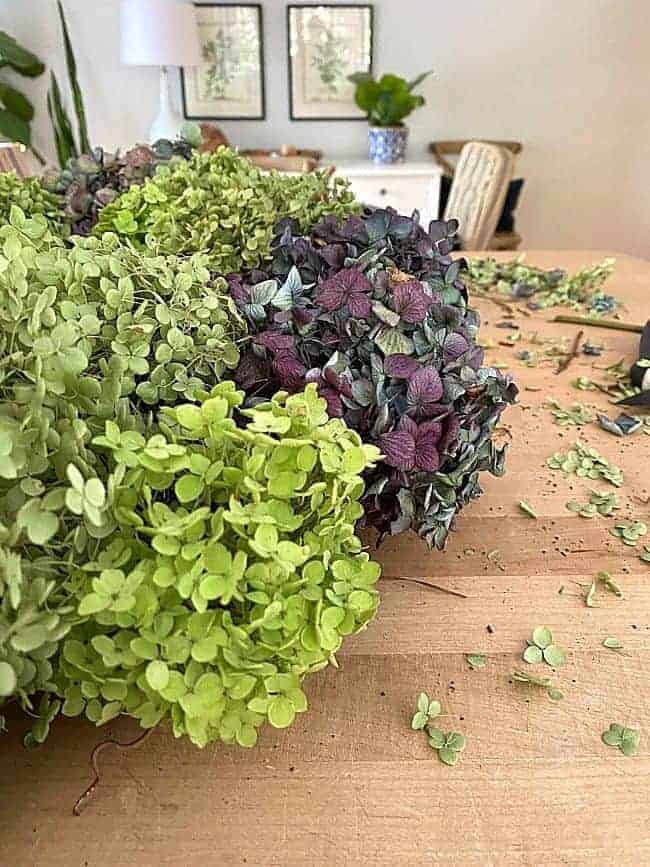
[[230, 84], [326, 42]]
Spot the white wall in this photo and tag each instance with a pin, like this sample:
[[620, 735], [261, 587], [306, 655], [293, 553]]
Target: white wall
[[569, 78]]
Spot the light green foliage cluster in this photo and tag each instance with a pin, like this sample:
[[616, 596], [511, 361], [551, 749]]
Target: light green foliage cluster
[[221, 205], [575, 415], [587, 463], [448, 745], [88, 333], [623, 738], [519, 280], [32, 198], [233, 569], [629, 533], [600, 503]]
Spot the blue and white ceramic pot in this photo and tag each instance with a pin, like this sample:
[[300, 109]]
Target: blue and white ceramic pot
[[387, 144]]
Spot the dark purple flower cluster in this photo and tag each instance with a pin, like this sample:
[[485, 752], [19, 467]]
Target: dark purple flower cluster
[[373, 310]]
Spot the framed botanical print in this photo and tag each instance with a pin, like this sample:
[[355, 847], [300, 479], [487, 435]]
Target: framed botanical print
[[326, 44], [229, 84]]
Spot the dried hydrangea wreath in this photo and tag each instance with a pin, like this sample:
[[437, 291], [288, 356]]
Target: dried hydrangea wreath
[[170, 546]]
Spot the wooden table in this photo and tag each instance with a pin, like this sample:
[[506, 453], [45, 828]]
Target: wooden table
[[350, 783]]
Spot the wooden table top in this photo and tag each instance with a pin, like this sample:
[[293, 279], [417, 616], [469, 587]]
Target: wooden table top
[[350, 783]]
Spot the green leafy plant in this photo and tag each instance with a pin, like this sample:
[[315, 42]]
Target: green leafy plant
[[449, 745], [16, 110], [91, 334], [389, 100], [233, 570], [220, 204], [427, 710], [67, 146], [542, 648], [625, 739]]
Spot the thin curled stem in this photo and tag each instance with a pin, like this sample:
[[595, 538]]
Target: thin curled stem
[[82, 800]]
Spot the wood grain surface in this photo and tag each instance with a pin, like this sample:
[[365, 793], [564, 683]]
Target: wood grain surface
[[350, 783]]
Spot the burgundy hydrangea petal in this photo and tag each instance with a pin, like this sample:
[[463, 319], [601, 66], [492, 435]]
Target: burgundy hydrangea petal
[[289, 370], [334, 255], [359, 305], [411, 301], [240, 293], [451, 429], [424, 390], [429, 431], [251, 371], [398, 448], [427, 458], [340, 382], [335, 292], [302, 316], [275, 341], [334, 405], [407, 424], [400, 366], [454, 346]]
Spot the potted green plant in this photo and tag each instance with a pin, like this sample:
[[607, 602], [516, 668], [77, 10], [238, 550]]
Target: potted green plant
[[387, 102]]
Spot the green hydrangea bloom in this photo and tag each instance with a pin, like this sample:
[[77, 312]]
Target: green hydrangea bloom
[[233, 570], [33, 199], [90, 333], [222, 205]]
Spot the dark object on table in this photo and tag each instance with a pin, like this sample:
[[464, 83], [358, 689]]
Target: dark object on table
[[640, 372], [505, 237]]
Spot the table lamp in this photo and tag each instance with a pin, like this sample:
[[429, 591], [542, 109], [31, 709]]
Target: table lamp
[[160, 33]]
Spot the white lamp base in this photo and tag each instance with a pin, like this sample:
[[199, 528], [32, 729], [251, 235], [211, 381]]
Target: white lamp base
[[169, 122]]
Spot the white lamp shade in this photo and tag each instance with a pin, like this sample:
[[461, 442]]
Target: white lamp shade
[[158, 33]]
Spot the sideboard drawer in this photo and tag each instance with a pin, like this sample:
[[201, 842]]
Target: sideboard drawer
[[401, 193], [396, 186]]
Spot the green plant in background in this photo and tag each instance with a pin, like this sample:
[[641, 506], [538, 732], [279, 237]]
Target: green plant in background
[[66, 144], [16, 110], [222, 205], [388, 101], [90, 333], [233, 570], [31, 196]]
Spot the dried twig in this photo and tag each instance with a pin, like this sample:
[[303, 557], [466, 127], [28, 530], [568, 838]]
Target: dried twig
[[82, 800], [572, 353], [614, 324], [428, 584], [476, 293]]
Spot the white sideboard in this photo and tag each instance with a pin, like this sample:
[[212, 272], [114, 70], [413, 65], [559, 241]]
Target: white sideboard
[[404, 186]]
